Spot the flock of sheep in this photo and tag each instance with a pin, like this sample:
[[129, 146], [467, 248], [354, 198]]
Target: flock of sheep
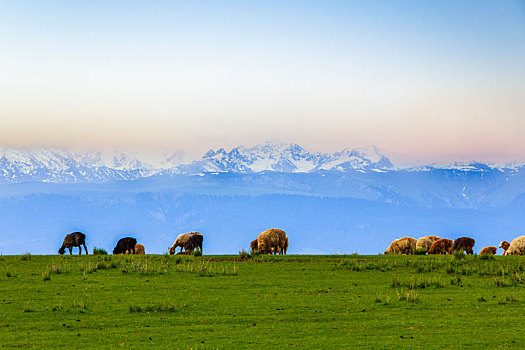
[[275, 241], [437, 245], [272, 241]]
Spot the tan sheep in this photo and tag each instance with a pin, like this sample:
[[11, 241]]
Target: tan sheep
[[139, 249], [424, 243], [272, 241], [505, 246], [181, 241], [189, 241], [405, 245], [488, 251], [517, 246]]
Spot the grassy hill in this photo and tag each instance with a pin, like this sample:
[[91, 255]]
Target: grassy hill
[[261, 301]]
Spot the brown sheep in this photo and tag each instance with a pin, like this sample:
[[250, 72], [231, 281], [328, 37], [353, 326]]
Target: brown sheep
[[424, 243], [75, 239], [441, 246], [463, 244], [517, 246], [272, 241], [139, 249], [405, 245], [188, 241], [253, 246], [505, 246], [194, 242], [285, 248], [488, 251]]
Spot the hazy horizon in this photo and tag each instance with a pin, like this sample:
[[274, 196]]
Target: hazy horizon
[[428, 82], [155, 156]]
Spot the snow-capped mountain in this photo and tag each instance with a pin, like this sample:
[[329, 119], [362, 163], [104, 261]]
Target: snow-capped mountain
[[47, 165], [287, 158]]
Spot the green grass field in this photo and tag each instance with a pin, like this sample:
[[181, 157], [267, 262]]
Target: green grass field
[[294, 301]]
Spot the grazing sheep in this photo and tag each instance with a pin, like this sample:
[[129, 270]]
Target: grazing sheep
[[188, 241], [139, 249], [463, 244], [194, 242], [517, 246], [441, 246], [424, 243], [488, 251], [125, 244], [405, 245], [272, 241], [253, 246], [505, 246], [75, 239], [179, 242]]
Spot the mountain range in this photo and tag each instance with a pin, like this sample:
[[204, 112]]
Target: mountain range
[[355, 200], [56, 166]]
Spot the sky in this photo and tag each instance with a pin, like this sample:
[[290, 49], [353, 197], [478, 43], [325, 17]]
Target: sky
[[427, 80]]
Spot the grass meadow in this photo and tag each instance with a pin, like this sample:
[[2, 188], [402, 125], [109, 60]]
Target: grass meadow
[[225, 302]]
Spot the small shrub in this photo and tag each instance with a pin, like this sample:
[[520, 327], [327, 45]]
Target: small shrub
[[167, 307], [382, 300], [456, 281], [25, 257], [410, 295], [99, 251], [80, 305], [46, 275], [511, 298], [502, 282], [394, 282], [486, 257], [243, 254], [28, 307]]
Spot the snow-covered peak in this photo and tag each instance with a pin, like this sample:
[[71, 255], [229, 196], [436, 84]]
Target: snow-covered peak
[[29, 160], [49, 165], [290, 157]]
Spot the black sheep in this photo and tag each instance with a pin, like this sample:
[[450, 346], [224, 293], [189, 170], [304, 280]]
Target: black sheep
[[124, 245], [75, 239]]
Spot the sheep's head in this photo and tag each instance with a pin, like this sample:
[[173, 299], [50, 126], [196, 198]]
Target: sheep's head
[[504, 244], [171, 250], [61, 251], [253, 245]]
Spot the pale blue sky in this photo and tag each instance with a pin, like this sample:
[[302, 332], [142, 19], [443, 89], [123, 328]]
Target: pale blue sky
[[429, 79]]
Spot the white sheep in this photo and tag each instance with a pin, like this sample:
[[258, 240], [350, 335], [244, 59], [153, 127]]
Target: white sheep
[[517, 246]]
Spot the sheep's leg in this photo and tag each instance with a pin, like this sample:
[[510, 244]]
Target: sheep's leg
[[79, 250], [70, 250], [85, 248]]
